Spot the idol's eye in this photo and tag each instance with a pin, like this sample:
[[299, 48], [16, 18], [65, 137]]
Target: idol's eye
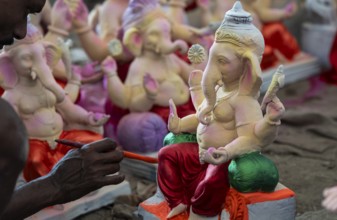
[[222, 61], [26, 60]]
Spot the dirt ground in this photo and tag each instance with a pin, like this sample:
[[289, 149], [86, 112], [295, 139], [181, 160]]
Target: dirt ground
[[306, 176]]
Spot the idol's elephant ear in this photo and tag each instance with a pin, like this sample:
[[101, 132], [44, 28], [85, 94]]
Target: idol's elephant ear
[[8, 76], [251, 79], [53, 54], [133, 40]]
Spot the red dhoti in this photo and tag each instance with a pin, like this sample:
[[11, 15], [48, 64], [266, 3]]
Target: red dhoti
[[277, 37], [183, 110], [182, 179], [42, 158]]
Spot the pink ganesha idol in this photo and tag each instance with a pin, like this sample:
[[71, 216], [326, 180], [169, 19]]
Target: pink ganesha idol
[[42, 104], [230, 127], [155, 76]]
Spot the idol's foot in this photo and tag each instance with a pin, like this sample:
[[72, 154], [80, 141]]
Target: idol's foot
[[177, 210]]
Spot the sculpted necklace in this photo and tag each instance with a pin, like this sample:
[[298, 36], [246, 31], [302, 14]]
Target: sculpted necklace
[[224, 95]]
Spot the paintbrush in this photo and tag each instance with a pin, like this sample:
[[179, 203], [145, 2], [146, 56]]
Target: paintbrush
[[127, 154]]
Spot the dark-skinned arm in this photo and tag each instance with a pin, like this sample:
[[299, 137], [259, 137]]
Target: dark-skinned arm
[[78, 173]]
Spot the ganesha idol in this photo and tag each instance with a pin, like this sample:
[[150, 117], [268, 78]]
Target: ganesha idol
[[176, 9], [230, 127], [155, 76], [42, 104], [281, 45]]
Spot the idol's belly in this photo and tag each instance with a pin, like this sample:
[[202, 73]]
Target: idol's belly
[[215, 135], [177, 91], [43, 124]]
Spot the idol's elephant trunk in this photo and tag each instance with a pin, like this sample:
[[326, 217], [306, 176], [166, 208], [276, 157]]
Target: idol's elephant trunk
[[168, 47], [44, 74], [210, 79]]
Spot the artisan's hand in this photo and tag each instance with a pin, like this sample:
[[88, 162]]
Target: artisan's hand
[[87, 169], [174, 120], [275, 110], [61, 17], [330, 199], [97, 119]]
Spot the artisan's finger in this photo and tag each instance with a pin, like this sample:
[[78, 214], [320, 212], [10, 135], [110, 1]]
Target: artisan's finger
[[107, 144], [108, 169], [111, 157], [112, 180]]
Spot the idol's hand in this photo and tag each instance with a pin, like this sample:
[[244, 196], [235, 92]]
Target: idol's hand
[[275, 110], [174, 120], [215, 156]]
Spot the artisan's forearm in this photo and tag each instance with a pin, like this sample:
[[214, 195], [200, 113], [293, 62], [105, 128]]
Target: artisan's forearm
[[31, 198]]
